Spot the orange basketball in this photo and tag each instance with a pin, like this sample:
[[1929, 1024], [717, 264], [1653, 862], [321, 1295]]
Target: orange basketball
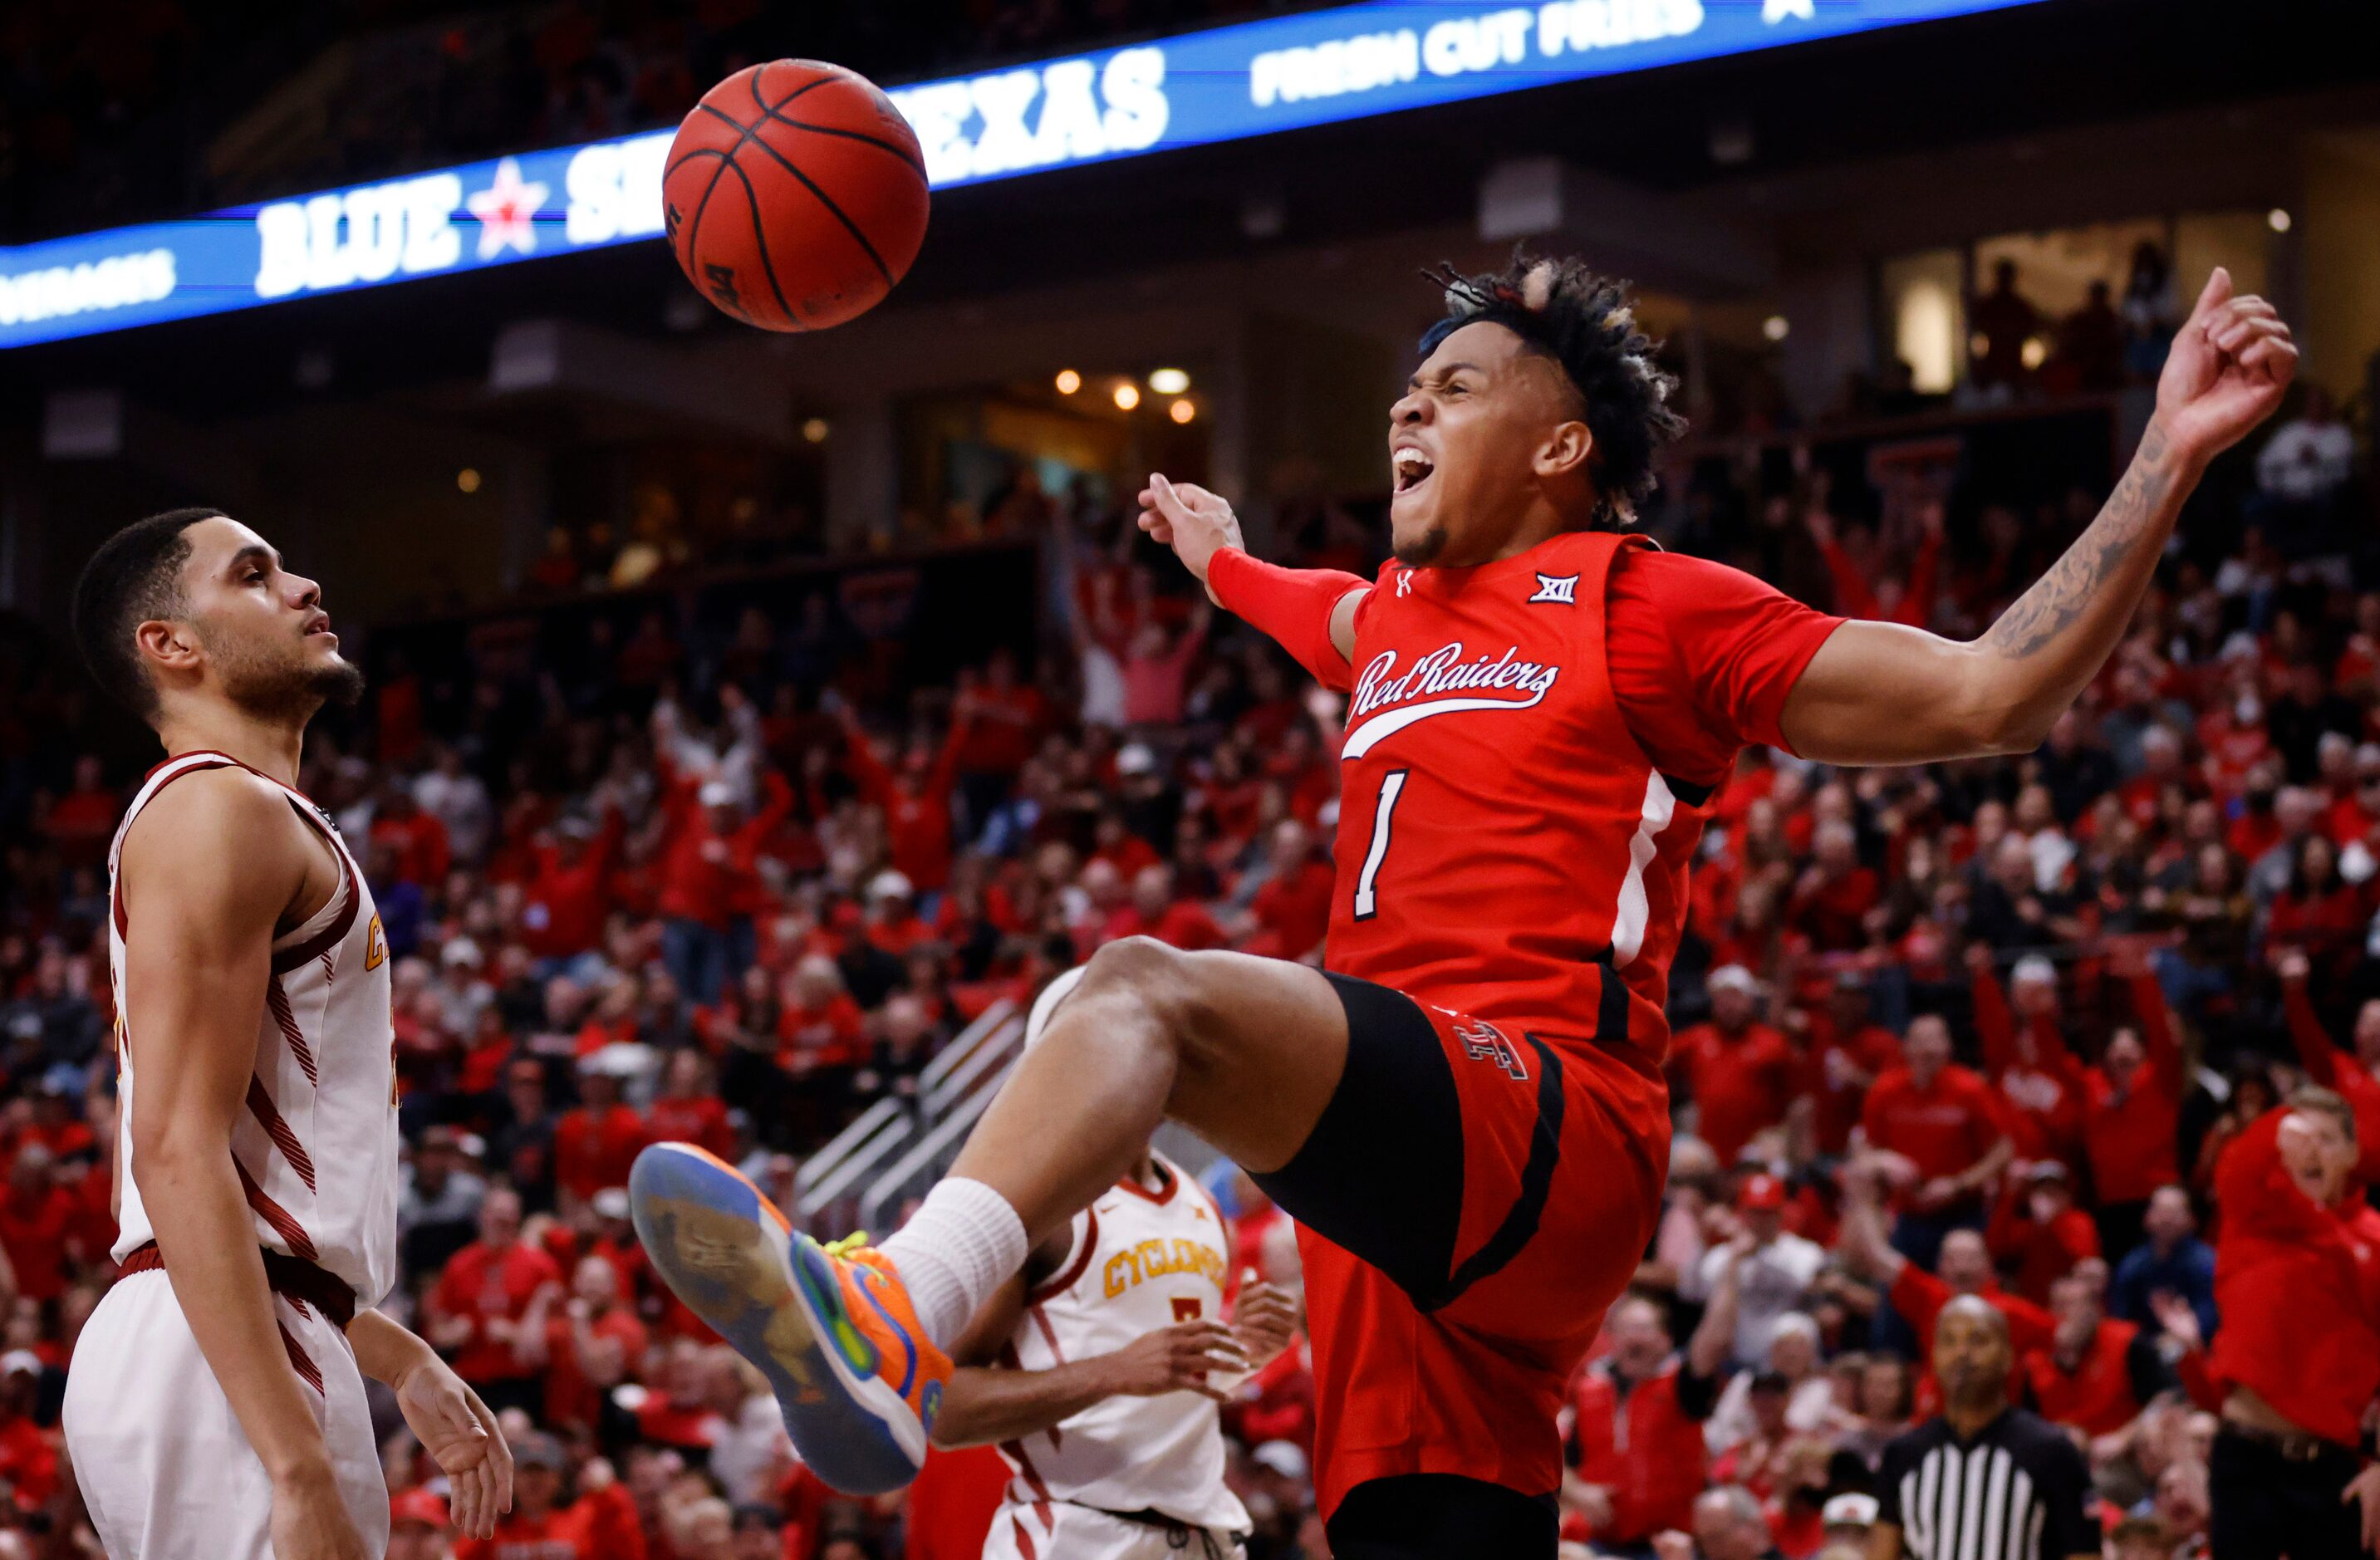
[[794, 195]]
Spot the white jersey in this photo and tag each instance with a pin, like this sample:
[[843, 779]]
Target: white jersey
[[317, 1148], [1141, 1261]]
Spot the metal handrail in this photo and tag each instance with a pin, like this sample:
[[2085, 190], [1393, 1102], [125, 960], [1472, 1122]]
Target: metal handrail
[[899, 1128], [844, 1143], [1002, 1046], [931, 1156]]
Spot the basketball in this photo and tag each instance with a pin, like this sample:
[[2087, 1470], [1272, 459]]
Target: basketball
[[794, 195]]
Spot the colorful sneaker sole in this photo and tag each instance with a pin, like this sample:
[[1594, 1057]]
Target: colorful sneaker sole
[[773, 1294]]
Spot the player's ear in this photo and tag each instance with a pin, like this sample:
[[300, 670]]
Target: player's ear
[[1565, 451], [165, 642]]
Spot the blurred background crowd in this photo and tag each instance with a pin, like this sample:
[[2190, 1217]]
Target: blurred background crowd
[[1980, 1028]]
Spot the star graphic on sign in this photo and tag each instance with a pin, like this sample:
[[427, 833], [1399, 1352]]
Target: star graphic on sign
[[504, 209], [1774, 11]]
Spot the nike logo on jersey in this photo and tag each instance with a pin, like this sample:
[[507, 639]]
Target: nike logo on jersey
[[1443, 670], [1561, 589]]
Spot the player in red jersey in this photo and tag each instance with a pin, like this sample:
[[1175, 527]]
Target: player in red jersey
[[1466, 1113]]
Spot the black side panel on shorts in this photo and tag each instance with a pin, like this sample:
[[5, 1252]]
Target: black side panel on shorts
[[1520, 1225], [1381, 1174], [1441, 1517]]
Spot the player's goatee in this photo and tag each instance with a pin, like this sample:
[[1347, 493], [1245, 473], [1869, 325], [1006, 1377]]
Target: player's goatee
[[1423, 550]]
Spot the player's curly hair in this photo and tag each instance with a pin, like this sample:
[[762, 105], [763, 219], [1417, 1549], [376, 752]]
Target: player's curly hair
[[1587, 322]]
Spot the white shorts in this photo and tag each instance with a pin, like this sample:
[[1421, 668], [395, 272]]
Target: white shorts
[[1077, 1532], [165, 1469]]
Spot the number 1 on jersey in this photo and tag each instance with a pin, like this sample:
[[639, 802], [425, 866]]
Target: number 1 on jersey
[[1392, 785]]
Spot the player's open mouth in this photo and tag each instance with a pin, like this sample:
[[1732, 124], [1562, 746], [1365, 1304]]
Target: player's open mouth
[[319, 625], [1410, 466]]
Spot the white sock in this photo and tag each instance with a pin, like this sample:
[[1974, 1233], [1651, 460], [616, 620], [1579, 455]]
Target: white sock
[[963, 1243]]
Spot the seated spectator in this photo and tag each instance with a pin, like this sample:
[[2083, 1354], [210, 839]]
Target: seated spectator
[[1738, 1071]]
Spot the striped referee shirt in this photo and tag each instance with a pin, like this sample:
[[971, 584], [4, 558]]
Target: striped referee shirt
[[2018, 1490]]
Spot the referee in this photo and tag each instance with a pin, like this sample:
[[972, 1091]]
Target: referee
[[1983, 1480]]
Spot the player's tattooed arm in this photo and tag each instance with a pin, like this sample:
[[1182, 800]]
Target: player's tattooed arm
[[1880, 693]]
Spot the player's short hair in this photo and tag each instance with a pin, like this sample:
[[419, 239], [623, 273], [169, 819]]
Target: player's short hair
[[133, 578], [1586, 323], [2326, 1102]]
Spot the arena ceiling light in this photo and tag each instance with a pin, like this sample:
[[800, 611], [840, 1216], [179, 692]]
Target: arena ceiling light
[[1222, 84], [1169, 381], [1069, 382], [1127, 395]]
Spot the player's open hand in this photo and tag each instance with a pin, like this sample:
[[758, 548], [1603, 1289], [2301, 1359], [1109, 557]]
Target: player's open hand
[[1176, 1358], [2227, 371], [455, 1428], [1187, 518], [1264, 1319]]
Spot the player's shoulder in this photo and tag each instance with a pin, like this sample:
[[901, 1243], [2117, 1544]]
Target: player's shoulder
[[208, 806], [221, 834]]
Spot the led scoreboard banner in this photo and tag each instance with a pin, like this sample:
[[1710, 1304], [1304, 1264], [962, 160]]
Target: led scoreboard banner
[[1228, 83]]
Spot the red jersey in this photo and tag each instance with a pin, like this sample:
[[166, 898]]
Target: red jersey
[[1509, 853], [1488, 766]]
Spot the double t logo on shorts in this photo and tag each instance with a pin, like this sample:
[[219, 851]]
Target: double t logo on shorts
[[1483, 1041]]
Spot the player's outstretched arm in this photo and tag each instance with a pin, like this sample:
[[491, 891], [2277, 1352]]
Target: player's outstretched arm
[[453, 1425], [1879, 694], [206, 872], [984, 1405], [1310, 612]]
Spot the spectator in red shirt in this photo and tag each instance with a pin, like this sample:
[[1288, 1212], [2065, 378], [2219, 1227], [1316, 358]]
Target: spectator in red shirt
[[477, 1304], [1738, 1071], [1833, 895], [710, 863], [36, 1216], [2356, 1076], [588, 1342], [915, 800], [29, 1451], [2097, 1374], [2041, 1087], [416, 839], [1156, 912], [2132, 1109], [2297, 1359], [1851, 1051], [594, 1144], [1916, 1295], [1291, 911], [1942, 1127], [1639, 1458], [2038, 1233], [687, 1108], [80, 823], [563, 903], [601, 1524]]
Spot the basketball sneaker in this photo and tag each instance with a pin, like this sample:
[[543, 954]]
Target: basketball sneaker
[[829, 1326]]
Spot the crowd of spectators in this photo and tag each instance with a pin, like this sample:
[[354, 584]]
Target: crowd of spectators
[[2002, 1028]]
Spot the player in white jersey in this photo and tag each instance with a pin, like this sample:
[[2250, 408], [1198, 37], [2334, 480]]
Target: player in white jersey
[[1096, 1372], [215, 1409]]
